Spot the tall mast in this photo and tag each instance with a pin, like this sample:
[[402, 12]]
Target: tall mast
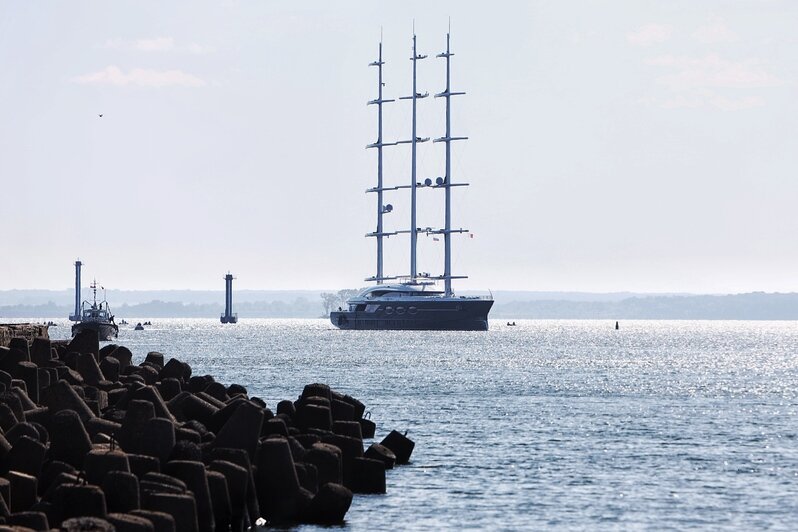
[[447, 183], [379, 189], [379, 169], [413, 142]]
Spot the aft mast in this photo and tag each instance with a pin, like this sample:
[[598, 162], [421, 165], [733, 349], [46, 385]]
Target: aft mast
[[447, 181]]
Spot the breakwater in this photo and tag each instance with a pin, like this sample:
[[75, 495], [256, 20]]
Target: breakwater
[[90, 439], [29, 331]]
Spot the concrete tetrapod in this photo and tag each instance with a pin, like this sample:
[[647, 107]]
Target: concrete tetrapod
[[87, 524], [237, 483], [68, 419], [130, 523], [161, 521], [330, 504], [32, 520], [193, 474], [401, 445], [242, 429], [121, 491], [276, 481], [99, 463], [220, 500], [381, 453], [367, 476]]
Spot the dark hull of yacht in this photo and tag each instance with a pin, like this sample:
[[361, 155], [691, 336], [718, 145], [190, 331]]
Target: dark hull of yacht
[[450, 314], [105, 330]]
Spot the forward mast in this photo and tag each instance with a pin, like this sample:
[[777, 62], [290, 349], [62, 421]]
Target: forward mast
[[379, 144]]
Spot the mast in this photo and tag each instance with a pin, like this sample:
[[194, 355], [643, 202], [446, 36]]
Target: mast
[[447, 182], [413, 142], [381, 209]]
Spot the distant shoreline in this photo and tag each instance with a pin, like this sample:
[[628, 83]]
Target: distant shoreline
[[509, 305]]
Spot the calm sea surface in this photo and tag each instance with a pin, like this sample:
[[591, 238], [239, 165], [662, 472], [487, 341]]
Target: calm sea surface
[[549, 424]]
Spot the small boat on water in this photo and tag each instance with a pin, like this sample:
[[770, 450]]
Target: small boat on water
[[96, 316], [123, 322], [138, 327], [415, 302]]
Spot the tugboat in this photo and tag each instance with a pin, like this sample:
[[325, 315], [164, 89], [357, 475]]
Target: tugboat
[[97, 317], [415, 302]]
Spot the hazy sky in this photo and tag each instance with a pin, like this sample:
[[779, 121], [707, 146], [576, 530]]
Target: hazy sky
[[625, 145]]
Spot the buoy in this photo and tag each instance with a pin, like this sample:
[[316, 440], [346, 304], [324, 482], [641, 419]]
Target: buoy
[[617, 326]]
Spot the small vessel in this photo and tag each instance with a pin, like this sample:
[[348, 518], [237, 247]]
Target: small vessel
[[123, 322], [414, 302], [138, 327], [96, 316]]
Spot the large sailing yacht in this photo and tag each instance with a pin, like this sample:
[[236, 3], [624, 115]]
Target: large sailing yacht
[[414, 302]]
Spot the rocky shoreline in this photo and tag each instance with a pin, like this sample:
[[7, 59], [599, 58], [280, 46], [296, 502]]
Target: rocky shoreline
[[91, 441]]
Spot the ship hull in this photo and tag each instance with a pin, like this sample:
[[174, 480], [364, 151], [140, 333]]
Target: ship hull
[[440, 315], [105, 330]]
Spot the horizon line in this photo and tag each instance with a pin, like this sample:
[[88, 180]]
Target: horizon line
[[548, 291]]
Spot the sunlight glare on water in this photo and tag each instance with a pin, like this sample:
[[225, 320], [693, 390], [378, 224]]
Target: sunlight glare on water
[[549, 424]]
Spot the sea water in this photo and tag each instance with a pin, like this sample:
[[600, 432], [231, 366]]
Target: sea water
[[548, 424]]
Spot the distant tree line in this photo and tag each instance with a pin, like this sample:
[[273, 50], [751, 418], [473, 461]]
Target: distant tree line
[[333, 300], [298, 308], [751, 306]]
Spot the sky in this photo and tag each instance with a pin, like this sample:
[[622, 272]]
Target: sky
[[627, 145]]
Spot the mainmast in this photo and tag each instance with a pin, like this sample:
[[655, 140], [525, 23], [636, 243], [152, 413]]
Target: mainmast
[[413, 142], [94, 289], [447, 181], [381, 209]]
